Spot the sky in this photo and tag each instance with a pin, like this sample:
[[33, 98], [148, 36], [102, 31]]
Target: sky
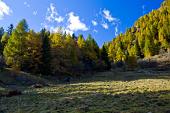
[[103, 19]]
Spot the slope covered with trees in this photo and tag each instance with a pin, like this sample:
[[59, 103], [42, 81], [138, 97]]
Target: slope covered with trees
[[52, 53], [149, 36]]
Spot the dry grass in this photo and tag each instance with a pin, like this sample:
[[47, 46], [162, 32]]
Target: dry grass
[[108, 92]]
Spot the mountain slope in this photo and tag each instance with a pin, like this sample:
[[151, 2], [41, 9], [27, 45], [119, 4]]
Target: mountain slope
[[149, 36]]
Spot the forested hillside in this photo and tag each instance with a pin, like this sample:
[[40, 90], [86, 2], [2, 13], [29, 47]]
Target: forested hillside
[[51, 53], [149, 36]]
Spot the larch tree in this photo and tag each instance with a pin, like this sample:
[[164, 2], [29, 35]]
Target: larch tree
[[15, 48], [33, 52]]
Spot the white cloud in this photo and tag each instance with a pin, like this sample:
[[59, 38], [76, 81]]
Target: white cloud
[[4, 10], [35, 13], [107, 15], [143, 9], [59, 19], [105, 25], [54, 29], [108, 21], [75, 24], [95, 31], [60, 29], [116, 30], [94, 23], [26, 4], [52, 14]]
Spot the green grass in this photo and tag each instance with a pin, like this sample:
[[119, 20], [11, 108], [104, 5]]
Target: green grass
[[9, 77], [107, 92]]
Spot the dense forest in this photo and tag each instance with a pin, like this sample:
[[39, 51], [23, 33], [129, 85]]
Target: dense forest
[[50, 53], [149, 36]]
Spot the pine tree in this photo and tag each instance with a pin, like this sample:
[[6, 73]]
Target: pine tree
[[10, 29], [104, 57], [1, 31], [71, 49], [92, 48], [46, 54], [81, 42], [1, 34], [148, 49], [120, 55], [57, 53], [111, 52], [4, 40], [33, 53], [15, 48]]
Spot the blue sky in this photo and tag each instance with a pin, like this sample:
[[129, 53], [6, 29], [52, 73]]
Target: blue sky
[[103, 19]]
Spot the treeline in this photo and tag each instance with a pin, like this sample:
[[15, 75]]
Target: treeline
[[50, 53], [149, 36]]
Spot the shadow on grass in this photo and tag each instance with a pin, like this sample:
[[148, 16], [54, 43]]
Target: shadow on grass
[[121, 76], [136, 102], [23, 79]]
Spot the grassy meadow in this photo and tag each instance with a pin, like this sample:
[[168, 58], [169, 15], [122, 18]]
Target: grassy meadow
[[104, 92]]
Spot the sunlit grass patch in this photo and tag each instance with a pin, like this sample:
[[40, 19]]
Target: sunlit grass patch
[[139, 95]]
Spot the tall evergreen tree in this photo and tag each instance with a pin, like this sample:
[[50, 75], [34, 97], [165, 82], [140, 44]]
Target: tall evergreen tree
[[10, 29], [1, 34], [4, 40], [57, 53], [46, 54], [104, 57], [15, 48], [81, 41], [33, 53]]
